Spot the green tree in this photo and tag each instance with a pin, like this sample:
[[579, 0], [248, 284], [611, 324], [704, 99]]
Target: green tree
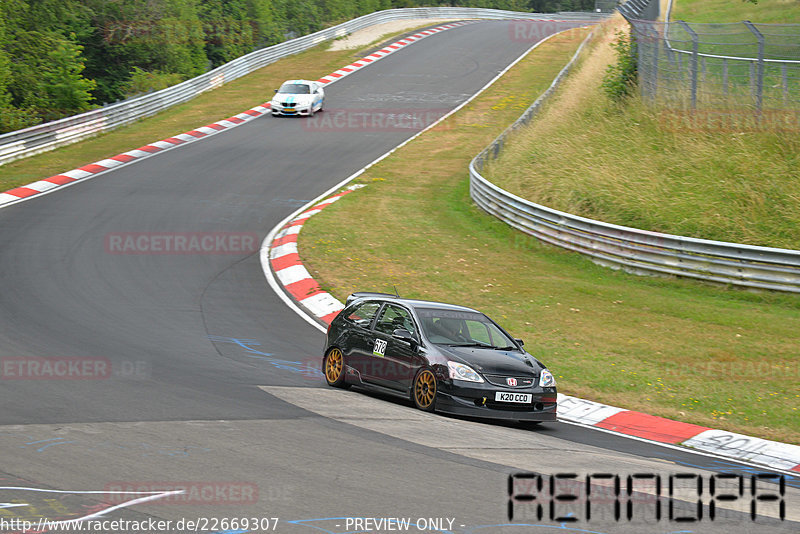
[[154, 35], [11, 117], [41, 61], [46, 75], [298, 17], [233, 28]]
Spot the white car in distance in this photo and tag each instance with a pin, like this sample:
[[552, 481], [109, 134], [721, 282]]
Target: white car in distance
[[298, 97]]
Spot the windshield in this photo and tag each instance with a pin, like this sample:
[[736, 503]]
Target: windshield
[[459, 328], [295, 89]]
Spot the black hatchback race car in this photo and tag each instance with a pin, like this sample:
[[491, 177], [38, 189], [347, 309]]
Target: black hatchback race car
[[444, 357]]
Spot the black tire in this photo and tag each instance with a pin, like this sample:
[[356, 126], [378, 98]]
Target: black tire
[[424, 391], [333, 369]]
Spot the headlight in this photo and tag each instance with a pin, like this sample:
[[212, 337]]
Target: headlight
[[546, 379], [459, 371]]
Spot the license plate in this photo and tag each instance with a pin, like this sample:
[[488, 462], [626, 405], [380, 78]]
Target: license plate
[[522, 398]]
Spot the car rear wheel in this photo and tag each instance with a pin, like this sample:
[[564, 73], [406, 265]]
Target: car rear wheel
[[424, 392], [334, 368]]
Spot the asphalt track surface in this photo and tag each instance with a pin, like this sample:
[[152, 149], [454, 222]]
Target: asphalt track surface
[[204, 379]]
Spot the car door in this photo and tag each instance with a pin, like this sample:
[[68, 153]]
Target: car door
[[318, 95], [360, 337], [394, 360]]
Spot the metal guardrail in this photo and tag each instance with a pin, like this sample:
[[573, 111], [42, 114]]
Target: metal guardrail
[[640, 9], [43, 137], [630, 249]]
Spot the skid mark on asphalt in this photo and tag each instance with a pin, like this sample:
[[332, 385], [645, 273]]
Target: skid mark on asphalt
[[307, 369], [144, 449]]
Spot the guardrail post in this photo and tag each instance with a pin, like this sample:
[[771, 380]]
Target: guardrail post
[[759, 85], [695, 53]]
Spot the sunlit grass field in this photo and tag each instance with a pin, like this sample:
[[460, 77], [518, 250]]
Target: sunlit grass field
[[765, 11]]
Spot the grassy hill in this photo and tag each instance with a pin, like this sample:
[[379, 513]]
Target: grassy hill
[[765, 11]]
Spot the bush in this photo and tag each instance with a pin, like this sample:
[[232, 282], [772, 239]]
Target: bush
[[620, 79], [145, 82]]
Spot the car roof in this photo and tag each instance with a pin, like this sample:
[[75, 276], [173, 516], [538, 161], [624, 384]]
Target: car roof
[[302, 82], [411, 303]]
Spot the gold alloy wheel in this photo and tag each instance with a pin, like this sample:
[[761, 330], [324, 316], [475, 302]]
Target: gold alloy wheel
[[334, 367], [425, 390]]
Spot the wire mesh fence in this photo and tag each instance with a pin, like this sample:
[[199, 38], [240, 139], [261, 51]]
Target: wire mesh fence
[[743, 73]]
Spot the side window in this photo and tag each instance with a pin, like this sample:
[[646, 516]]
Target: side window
[[394, 317], [362, 315], [479, 332]]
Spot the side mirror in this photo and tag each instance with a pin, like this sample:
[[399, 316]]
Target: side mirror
[[276, 90], [520, 342], [403, 335]]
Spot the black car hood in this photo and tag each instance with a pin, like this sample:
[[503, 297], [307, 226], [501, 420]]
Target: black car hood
[[493, 361]]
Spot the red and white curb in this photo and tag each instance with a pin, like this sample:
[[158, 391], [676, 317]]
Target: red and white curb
[[91, 170], [284, 260], [774, 454], [99, 167]]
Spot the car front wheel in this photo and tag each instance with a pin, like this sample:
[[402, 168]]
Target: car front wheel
[[334, 368], [425, 390]]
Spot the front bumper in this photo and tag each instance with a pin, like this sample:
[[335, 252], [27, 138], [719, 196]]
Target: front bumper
[[477, 400], [289, 112]]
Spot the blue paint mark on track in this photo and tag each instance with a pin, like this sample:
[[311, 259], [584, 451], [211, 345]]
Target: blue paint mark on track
[[248, 345]]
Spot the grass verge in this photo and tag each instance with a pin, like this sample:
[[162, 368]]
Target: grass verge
[[684, 350], [230, 99], [708, 174], [765, 11]]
